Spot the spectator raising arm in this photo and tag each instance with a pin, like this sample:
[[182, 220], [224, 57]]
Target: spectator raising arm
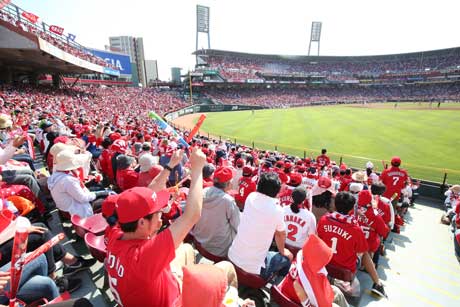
[[181, 227]]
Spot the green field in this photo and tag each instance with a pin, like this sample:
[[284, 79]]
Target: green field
[[426, 139]]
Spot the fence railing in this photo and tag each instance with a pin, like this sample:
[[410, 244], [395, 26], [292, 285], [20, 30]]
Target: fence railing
[[427, 173]]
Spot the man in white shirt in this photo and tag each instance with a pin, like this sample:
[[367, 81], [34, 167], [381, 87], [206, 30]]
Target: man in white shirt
[[262, 219]]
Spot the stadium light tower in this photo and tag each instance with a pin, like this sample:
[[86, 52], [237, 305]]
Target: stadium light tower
[[315, 35], [202, 23]]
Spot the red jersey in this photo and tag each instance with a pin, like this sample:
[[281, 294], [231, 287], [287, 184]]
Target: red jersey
[[139, 270], [105, 161], [127, 179], [145, 178], [246, 186], [345, 237], [323, 160], [344, 183], [384, 210], [394, 179], [373, 227]]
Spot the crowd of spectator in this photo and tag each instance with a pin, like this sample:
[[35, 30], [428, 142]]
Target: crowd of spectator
[[54, 39], [285, 97], [240, 67], [224, 189]]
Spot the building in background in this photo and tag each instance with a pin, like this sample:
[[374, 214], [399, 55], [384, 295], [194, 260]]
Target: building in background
[[151, 69], [134, 46], [175, 75]]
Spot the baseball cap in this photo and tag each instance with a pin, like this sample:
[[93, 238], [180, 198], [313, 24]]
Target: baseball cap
[[247, 170], [135, 203], [239, 162], [295, 179], [223, 174], [109, 205], [364, 198], [324, 182], [396, 160]]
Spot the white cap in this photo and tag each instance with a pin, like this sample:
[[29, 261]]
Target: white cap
[[369, 164]]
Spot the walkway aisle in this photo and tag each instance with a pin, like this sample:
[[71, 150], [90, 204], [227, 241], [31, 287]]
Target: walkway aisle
[[420, 268]]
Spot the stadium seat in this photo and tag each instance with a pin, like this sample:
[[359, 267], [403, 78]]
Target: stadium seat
[[95, 224], [96, 246], [281, 299], [339, 273], [207, 254], [248, 279]]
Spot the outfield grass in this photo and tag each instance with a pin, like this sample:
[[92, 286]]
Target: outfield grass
[[427, 140]]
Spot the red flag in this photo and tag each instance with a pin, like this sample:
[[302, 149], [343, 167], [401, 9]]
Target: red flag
[[30, 17], [56, 29], [4, 3], [196, 128]]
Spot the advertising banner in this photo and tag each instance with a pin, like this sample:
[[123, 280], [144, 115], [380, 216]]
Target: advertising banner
[[120, 61]]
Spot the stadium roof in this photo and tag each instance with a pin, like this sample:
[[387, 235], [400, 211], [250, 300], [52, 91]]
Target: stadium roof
[[303, 58], [23, 51]]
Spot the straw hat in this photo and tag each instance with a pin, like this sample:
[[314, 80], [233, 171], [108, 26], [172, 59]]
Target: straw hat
[[5, 121], [455, 188], [359, 176], [67, 160]]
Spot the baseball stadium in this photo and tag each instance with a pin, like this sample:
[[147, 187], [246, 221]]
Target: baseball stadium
[[253, 179]]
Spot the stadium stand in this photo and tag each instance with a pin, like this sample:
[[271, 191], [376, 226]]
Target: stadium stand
[[77, 152]]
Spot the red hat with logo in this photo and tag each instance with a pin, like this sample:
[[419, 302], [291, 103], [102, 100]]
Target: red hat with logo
[[364, 198], [223, 174], [135, 203]]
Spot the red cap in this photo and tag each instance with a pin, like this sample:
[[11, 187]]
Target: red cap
[[324, 182], [109, 205], [223, 174], [239, 162], [119, 146], [279, 164], [396, 160], [295, 179], [114, 136], [287, 165], [301, 168], [247, 170], [61, 139], [364, 198], [135, 203]]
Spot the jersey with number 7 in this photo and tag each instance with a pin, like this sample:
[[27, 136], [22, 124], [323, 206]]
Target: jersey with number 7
[[394, 179], [346, 240]]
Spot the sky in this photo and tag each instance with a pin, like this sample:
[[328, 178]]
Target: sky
[[349, 27]]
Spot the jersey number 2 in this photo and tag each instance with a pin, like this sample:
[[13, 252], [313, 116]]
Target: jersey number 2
[[292, 231]]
